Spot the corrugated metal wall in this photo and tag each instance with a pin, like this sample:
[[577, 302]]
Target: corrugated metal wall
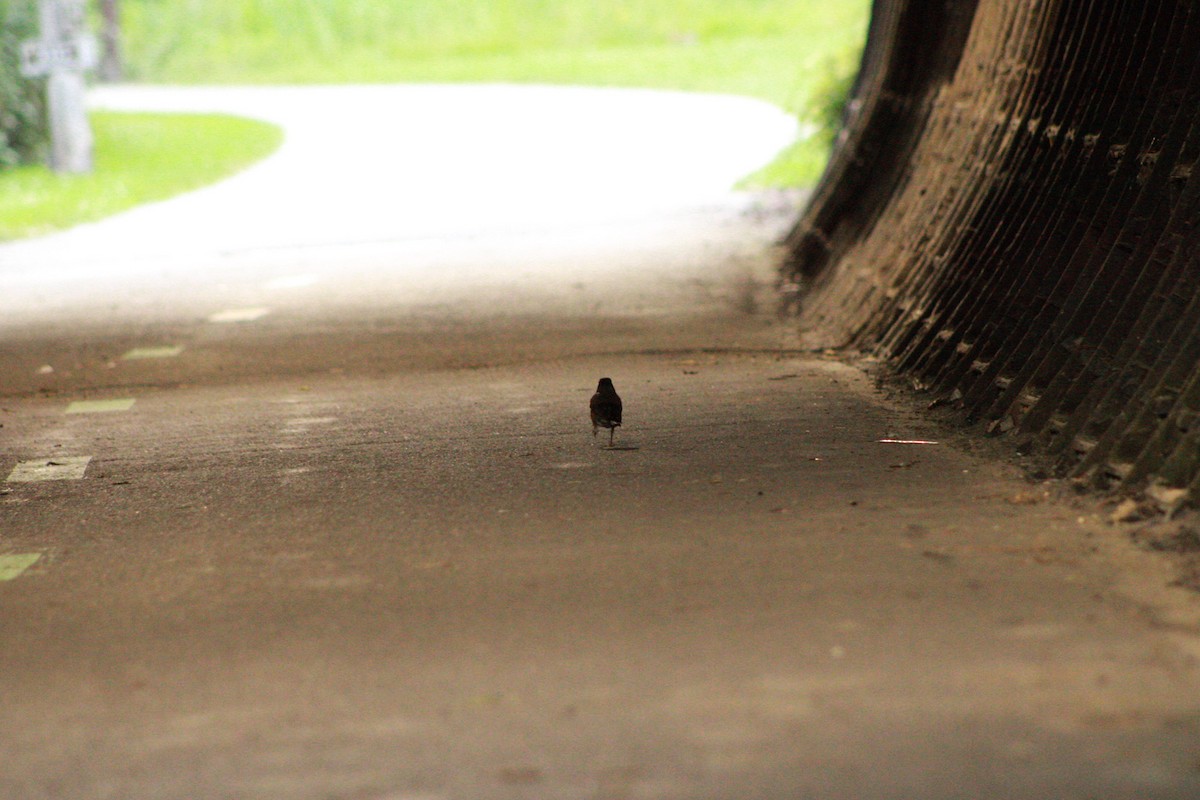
[[1011, 219]]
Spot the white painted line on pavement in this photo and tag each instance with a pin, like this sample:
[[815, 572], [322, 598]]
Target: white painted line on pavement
[[59, 468], [166, 351], [304, 422], [239, 314], [100, 406], [13, 564]]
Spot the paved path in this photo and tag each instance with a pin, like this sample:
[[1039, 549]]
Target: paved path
[[324, 518], [377, 164]]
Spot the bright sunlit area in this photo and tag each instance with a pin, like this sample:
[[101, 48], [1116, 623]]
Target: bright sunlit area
[[798, 55]]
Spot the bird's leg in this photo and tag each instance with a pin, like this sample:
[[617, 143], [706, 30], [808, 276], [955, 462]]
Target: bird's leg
[[611, 431]]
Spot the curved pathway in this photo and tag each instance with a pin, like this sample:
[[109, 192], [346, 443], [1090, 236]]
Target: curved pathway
[[395, 163]]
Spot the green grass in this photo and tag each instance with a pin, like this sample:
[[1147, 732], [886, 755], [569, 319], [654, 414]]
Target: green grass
[[777, 50], [614, 42], [139, 158]]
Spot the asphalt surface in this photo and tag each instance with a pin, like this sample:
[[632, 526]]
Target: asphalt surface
[[324, 518]]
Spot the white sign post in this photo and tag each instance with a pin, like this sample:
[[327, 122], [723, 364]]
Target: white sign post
[[62, 54]]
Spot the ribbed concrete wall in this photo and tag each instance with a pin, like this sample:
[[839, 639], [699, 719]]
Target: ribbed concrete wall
[[1011, 219]]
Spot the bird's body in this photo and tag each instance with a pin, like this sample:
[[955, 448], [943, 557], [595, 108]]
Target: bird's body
[[606, 409]]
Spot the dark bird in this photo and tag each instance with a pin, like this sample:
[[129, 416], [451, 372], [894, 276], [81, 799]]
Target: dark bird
[[606, 409]]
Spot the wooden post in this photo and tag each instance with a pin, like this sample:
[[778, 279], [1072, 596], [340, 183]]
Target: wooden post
[[110, 69], [61, 54]]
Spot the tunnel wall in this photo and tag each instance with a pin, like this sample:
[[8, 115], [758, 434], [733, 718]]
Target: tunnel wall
[[1010, 220]]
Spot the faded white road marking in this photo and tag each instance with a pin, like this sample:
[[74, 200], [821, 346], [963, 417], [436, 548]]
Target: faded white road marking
[[304, 422], [165, 351], [13, 564], [239, 314], [59, 468], [100, 406]]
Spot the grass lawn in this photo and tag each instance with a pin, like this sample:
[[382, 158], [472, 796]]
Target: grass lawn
[[789, 52], [139, 158], [783, 51]]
